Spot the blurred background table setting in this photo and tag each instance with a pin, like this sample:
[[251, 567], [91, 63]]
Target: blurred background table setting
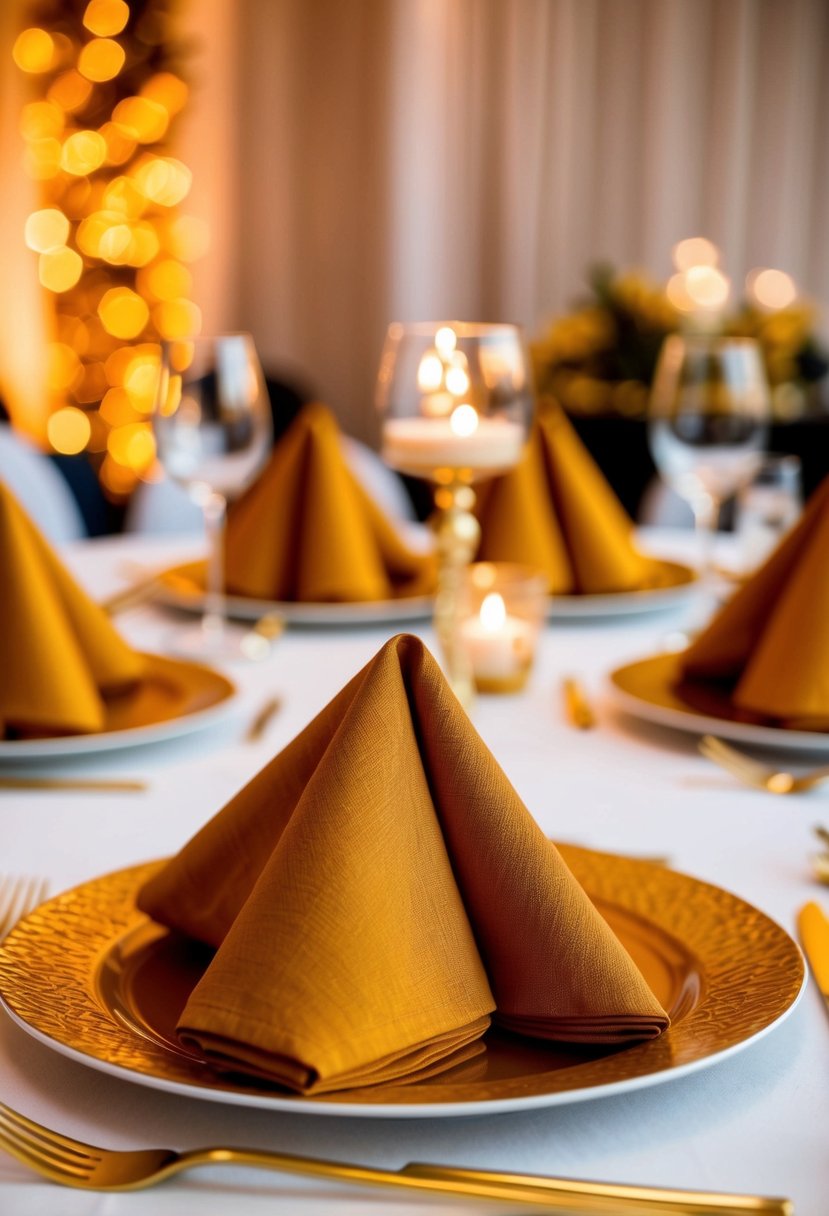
[[414, 732]]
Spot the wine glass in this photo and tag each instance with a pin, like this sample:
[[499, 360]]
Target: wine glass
[[709, 412], [456, 402], [213, 432]]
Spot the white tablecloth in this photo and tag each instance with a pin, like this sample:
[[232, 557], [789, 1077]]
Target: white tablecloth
[[755, 1122]]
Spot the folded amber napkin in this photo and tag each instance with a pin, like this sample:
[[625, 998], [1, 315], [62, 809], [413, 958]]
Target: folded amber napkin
[[377, 891], [770, 643], [556, 512], [59, 654], [307, 530]]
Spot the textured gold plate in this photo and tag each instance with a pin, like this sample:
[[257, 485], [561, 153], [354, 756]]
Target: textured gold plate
[[652, 689], [173, 697], [92, 977]]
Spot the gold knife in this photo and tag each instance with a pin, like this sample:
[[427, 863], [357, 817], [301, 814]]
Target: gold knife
[[576, 705], [813, 927]]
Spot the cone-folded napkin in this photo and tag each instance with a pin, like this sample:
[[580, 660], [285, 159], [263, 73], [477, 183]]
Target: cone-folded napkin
[[770, 643], [377, 892], [307, 531], [59, 654], [556, 512]]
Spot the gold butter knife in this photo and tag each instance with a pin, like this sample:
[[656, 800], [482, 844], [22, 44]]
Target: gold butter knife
[[813, 927], [262, 720], [576, 705], [91, 784]]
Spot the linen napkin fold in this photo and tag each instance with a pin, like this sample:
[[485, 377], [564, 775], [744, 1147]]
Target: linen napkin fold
[[556, 512], [770, 643], [377, 891], [306, 530], [59, 654]]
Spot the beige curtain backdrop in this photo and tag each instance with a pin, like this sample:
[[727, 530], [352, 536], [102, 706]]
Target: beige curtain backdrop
[[367, 160]]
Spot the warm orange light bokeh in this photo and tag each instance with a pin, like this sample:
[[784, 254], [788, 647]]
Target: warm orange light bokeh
[[111, 249]]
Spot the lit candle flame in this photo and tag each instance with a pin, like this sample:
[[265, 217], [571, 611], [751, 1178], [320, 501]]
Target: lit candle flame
[[430, 372], [463, 420], [493, 613]]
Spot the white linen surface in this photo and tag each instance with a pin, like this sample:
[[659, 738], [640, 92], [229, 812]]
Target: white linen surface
[[755, 1122]]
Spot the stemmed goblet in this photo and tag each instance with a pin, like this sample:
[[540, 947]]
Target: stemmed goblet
[[709, 414], [213, 432], [456, 402]]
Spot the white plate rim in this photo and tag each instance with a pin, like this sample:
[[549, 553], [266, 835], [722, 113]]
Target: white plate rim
[[692, 722], [620, 603]]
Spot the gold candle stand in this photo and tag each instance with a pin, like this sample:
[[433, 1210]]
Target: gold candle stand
[[457, 533]]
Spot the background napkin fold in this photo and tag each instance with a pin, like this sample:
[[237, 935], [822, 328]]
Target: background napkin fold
[[306, 530], [59, 654], [771, 640], [557, 513], [377, 891]]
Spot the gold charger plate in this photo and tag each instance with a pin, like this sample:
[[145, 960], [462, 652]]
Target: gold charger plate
[[674, 587], [181, 587], [651, 689], [95, 979], [174, 697]]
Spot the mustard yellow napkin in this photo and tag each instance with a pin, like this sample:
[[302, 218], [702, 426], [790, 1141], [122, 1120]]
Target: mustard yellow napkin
[[59, 654], [771, 640], [307, 531], [556, 512], [377, 891]]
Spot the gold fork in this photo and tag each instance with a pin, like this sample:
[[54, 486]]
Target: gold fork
[[756, 774], [19, 894], [73, 1163]]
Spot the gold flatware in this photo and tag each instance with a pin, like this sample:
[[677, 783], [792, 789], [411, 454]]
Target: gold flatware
[[74, 1163], [576, 705], [133, 596], [756, 774], [90, 784], [813, 927], [821, 860], [262, 720], [19, 894]]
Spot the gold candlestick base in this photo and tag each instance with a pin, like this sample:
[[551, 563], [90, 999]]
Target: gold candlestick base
[[457, 533]]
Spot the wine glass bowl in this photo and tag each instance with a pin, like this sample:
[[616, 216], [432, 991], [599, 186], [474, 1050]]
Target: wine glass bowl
[[213, 431], [708, 422], [455, 399]]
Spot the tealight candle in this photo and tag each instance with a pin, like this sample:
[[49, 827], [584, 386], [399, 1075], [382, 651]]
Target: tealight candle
[[463, 440], [500, 647]]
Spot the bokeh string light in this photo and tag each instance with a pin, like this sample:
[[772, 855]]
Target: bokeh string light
[[113, 247]]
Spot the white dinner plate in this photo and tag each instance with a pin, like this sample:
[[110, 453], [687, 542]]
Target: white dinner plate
[[645, 689], [93, 978], [175, 698]]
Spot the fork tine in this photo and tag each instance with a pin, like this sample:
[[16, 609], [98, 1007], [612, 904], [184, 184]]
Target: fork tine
[[12, 1120], [46, 1152], [44, 1160]]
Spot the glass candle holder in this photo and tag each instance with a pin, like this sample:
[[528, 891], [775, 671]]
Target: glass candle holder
[[504, 609], [456, 404]]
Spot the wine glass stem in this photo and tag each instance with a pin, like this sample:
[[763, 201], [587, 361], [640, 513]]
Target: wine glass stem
[[706, 516], [213, 620]]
